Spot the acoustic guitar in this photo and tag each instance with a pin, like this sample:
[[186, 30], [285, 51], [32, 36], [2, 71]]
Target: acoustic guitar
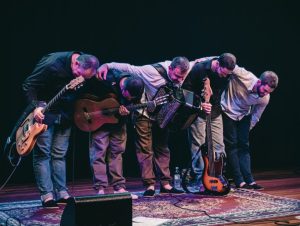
[[213, 178], [90, 115], [29, 129]]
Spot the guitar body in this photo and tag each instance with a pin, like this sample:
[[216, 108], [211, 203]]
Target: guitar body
[[29, 129], [215, 183], [27, 134], [89, 116], [213, 179]]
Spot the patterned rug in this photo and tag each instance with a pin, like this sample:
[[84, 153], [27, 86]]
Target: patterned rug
[[188, 209]]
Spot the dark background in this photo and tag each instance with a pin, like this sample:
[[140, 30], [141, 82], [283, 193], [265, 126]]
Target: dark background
[[264, 35]]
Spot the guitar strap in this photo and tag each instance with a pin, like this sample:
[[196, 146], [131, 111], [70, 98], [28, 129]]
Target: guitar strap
[[177, 92], [163, 72]]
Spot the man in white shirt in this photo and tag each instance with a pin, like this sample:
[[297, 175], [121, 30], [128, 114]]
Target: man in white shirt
[[243, 103]]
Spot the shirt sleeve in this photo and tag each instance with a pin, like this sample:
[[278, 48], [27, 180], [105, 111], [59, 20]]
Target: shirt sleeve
[[246, 77], [258, 109], [147, 72], [35, 82], [205, 58]]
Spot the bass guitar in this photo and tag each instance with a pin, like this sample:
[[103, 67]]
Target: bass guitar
[[29, 129], [213, 178], [90, 115]]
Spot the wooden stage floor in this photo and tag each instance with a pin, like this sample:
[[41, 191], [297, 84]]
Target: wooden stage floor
[[284, 183]]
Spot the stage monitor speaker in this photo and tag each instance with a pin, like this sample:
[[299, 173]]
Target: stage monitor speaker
[[100, 210]]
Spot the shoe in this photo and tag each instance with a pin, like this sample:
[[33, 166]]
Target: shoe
[[50, 204], [245, 186], [170, 191], [257, 187], [133, 196], [101, 192], [63, 201], [122, 190], [149, 193]]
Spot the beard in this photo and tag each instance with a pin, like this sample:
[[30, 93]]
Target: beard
[[259, 93]]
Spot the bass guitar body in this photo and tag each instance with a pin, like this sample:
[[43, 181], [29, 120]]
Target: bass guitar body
[[215, 182], [91, 115], [213, 179]]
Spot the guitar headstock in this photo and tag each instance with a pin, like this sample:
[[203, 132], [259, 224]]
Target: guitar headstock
[[207, 91], [151, 105], [75, 83]]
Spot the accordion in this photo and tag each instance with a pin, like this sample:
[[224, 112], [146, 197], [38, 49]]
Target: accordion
[[180, 112]]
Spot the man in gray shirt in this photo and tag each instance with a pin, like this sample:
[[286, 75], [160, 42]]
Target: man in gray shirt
[[243, 103]]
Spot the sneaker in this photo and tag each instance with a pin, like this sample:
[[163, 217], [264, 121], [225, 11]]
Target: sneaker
[[170, 191], [149, 193], [101, 192], [122, 190], [256, 186], [63, 201], [196, 188], [50, 204], [133, 196], [245, 186]]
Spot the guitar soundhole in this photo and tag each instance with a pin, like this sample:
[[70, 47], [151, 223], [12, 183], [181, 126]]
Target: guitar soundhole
[[87, 116]]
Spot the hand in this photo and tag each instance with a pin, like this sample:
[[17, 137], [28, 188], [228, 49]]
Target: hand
[[123, 110], [206, 107], [102, 72], [38, 114]]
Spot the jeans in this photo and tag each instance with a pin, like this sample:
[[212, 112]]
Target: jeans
[[106, 149], [236, 137], [49, 162], [196, 137]]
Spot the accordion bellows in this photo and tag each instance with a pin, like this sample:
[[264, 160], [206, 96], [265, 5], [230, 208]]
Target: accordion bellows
[[180, 112]]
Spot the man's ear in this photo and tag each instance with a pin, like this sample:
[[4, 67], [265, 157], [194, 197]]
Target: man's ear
[[77, 63]]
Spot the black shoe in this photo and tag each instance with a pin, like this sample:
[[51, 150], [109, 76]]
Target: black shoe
[[170, 191], [63, 201], [149, 193], [246, 186], [256, 187], [51, 204]]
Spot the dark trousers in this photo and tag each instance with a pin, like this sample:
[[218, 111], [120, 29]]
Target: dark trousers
[[236, 138]]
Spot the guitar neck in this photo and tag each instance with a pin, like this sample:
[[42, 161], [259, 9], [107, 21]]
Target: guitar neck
[[129, 108], [137, 106], [209, 141], [54, 99]]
